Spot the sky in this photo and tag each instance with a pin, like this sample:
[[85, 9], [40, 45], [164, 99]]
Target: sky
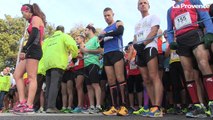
[[71, 12]]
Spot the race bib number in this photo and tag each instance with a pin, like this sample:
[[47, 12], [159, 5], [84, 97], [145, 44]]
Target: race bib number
[[140, 37], [133, 65], [182, 20]]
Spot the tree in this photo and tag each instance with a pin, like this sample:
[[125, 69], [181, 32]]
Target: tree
[[78, 29], [49, 30], [11, 31]]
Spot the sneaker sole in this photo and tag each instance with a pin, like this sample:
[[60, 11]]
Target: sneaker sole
[[144, 115], [156, 116], [136, 113], [24, 113], [121, 114], [197, 116], [54, 112], [85, 112], [77, 112], [114, 114]]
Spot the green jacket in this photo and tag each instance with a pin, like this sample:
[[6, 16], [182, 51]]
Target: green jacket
[[41, 68], [56, 50]]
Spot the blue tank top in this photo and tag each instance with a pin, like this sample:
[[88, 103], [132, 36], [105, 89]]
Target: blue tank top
[[114, 44]]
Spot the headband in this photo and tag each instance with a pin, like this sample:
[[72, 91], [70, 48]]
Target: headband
[[25, 8]]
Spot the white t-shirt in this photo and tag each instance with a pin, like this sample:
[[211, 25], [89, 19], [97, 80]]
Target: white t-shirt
[[143, 28]]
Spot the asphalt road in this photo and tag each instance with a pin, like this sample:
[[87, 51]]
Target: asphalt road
[[38, 116]]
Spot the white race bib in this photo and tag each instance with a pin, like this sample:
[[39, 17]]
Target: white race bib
[[182, 20], [140, 37]]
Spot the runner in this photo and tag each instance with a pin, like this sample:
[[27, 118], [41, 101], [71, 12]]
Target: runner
[[67, 90], [134, 78], [91, 68], [211, 50], [79, 75], [147, 56], [210, 41], [178, 80], [190, 44], [30, 56], [114, 62]]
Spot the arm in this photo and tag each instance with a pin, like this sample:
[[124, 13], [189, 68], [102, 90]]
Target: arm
[[204, 15], [97, 51], [33, 34], [71, 46], [119, 31], [155, 25], [169, 28], [152, 34]]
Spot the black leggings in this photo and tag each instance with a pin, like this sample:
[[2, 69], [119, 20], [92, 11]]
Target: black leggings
[[178, 80]]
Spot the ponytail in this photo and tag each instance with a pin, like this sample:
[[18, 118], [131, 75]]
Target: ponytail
[[37, 12]]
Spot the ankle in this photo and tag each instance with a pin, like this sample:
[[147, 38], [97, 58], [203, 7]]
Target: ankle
[[23, 101]]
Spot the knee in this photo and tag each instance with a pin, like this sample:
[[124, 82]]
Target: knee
[[17, 76], [203, 63], [89, 87], [31, 77], [188, 72], [120, 77], [79, 86], [96, 86], [111, 81], [153, 77]]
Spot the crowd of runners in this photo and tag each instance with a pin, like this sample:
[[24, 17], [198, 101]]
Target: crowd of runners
[[92, 74]]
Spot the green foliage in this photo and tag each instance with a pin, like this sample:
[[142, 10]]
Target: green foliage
[[11, 30], [49, 30], [79, 29]]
